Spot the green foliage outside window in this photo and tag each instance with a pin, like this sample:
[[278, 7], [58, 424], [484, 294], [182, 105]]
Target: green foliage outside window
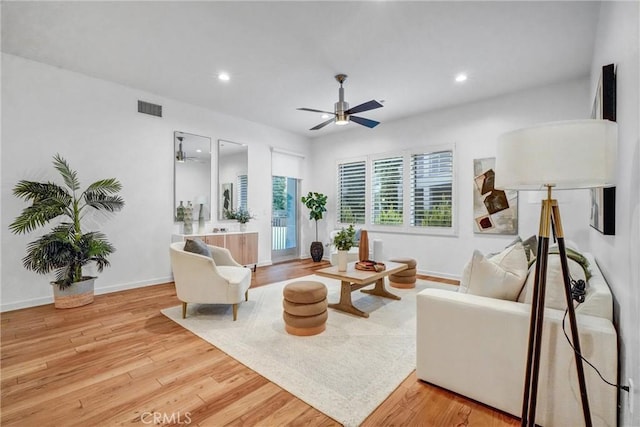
[[438, 215], [347, 216], [279, 201], [390, 216]]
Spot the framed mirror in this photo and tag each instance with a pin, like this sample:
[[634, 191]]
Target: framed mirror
[[233, 181], [191, 175]]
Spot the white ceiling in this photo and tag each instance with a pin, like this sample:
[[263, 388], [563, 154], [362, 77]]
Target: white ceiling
[[284, 55]]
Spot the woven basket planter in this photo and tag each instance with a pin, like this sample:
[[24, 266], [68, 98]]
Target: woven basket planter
[[76, 295]]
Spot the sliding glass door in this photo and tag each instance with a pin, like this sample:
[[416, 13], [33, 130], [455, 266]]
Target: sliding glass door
[[284, 219]]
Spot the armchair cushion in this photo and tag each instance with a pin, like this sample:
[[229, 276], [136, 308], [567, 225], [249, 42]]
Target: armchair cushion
[[233, 275], [197, 246]]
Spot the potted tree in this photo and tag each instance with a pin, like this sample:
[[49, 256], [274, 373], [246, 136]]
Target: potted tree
[[316, 203], [343, 241], [66, 248]]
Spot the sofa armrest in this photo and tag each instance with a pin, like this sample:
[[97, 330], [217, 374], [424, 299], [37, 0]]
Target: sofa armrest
[[477, 347]]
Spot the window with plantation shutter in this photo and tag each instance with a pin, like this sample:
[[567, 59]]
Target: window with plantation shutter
[[408, 191], [351, 192], [386, 191], [431, 199]]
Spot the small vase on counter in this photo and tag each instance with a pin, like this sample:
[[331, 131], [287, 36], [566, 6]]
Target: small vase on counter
[[180, 212], [188, 218]]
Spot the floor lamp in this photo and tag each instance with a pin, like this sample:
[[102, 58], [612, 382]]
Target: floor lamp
[[559, 155]]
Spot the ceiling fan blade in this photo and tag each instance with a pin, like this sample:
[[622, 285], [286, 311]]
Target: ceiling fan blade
[[323, 124], [371, 105], [364, 122], [315, 111]]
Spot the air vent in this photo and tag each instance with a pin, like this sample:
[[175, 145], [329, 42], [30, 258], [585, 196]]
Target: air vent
[[149, 108]]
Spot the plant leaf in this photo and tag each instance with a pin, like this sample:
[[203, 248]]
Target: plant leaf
[[108, 203], [43, 209]]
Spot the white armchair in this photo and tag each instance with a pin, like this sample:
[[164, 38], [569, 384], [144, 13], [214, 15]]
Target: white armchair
[[218, 279]]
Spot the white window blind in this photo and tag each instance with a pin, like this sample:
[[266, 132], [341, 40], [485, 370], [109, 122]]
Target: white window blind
[[286, 163], [352, 192], [386, 194], [431, 189]]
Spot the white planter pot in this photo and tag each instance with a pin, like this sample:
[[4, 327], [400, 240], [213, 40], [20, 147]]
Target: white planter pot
[[76, 295], [342, 260]]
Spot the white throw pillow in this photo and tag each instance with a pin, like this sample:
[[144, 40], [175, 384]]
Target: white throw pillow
[[554, 290], [500, 276]]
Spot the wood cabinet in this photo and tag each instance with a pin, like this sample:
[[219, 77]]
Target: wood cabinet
[[214, 240], [243, 246]]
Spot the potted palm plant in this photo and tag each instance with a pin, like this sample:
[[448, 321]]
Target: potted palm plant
[[316, 203], [66, 248]]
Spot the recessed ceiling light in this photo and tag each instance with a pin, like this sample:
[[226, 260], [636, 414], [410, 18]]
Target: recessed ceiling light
[[461, 77], [224, 77], [198, 151], [325, 116]]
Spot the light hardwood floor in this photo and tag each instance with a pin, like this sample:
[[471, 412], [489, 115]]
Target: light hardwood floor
[[120, 361]]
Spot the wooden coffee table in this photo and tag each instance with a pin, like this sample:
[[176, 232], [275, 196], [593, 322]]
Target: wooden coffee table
[[352, 280]]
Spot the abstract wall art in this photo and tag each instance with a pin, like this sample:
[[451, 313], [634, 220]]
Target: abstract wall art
[[494, 211]]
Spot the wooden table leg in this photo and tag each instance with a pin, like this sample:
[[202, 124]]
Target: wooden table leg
[[380, 290], [345, 303]]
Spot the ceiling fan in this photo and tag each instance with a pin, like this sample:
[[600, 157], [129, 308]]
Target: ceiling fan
[[181, 155], [343, 114]]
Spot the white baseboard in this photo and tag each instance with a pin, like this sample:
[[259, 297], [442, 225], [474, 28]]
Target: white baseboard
[[133, 285], [34, 302], [439, 274], [26, 303]]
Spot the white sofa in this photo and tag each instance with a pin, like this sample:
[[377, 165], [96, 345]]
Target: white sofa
[[477, 347]]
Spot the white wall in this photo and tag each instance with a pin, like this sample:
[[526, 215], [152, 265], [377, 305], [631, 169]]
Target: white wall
[[618, 256], [95, 125], [473, 129]]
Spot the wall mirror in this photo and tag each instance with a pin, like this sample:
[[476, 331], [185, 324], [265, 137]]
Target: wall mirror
[[232, 177], [191, 175]]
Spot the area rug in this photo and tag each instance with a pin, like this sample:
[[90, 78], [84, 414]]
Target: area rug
[[344, 372]]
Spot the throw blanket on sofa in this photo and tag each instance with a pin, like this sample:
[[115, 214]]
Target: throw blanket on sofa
[[576, 256]]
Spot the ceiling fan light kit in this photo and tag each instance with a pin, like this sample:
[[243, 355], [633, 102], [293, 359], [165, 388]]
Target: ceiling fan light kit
[[180, 155], [342, 114]]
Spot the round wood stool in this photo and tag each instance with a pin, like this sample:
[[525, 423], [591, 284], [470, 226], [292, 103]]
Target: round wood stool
[[305, 308], [404, 279]]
